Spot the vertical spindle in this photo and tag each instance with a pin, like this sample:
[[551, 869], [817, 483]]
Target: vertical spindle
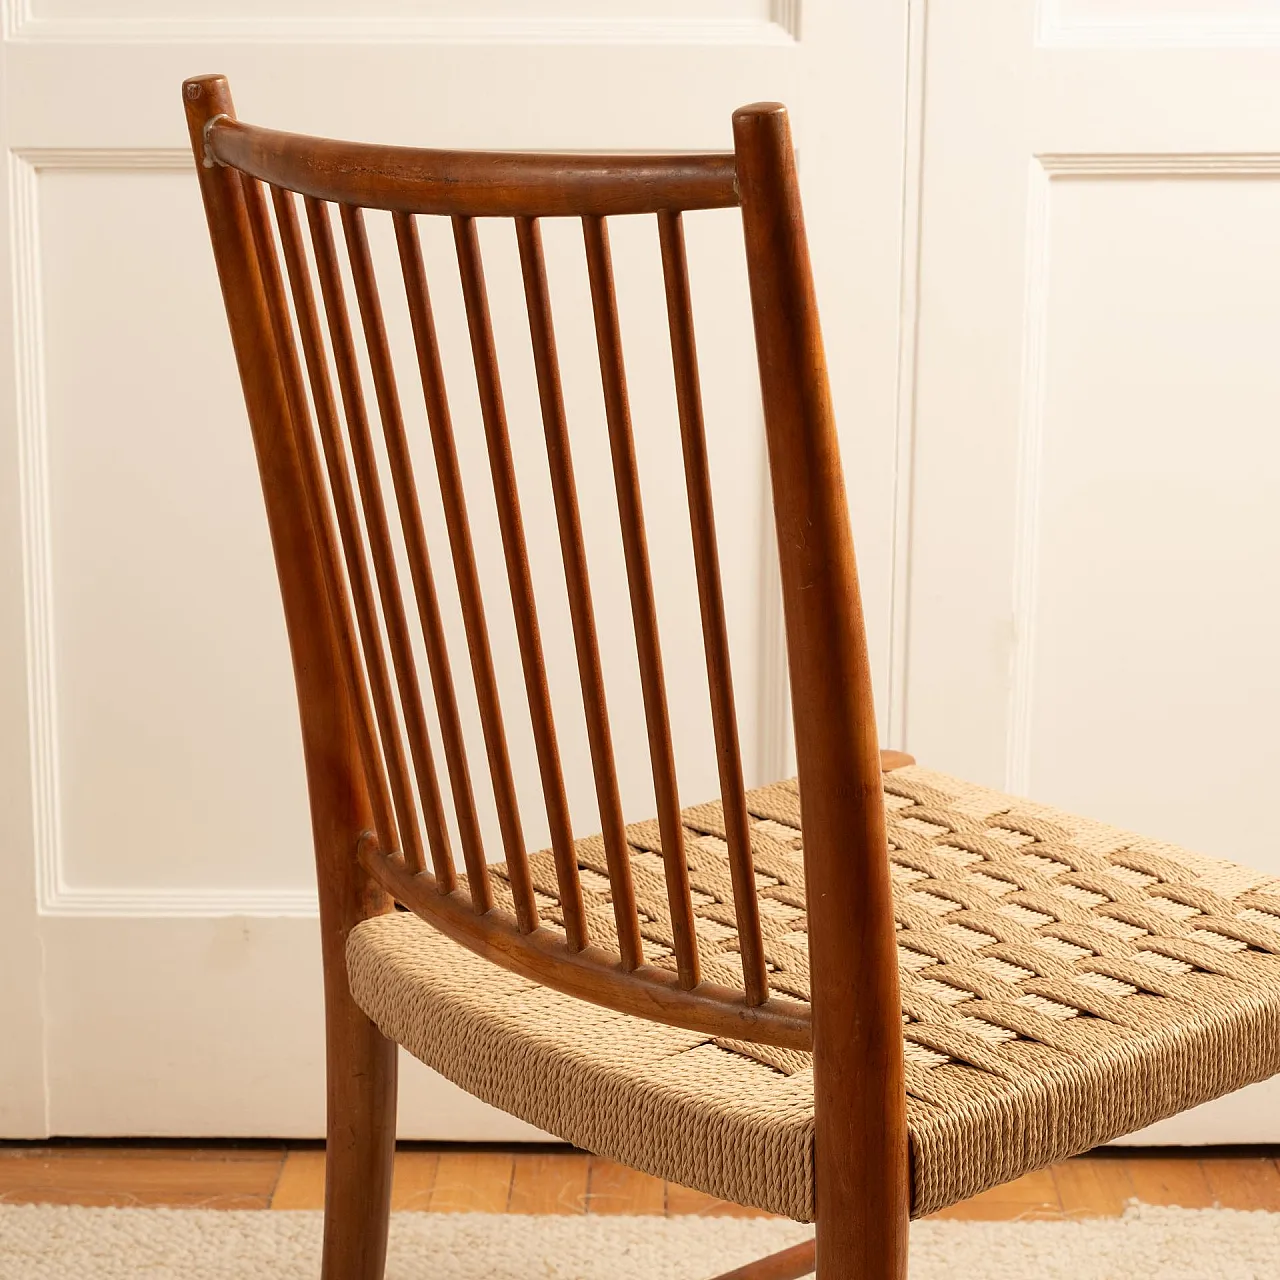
[[640, 584]]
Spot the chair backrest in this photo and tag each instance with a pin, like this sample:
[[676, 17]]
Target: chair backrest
[[375, 783]]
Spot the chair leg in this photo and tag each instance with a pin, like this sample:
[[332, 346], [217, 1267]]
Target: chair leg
[[361, 1144], [862, 1189]]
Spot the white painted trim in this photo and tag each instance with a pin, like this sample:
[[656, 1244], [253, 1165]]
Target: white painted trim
[[1156, 164], [54, 896], [787, 15], [13, 14], [37, 556], [1058, 30], [1035, 317], [152, 902], [895, 718], [105, 159], [1046, 169], [22, 26]]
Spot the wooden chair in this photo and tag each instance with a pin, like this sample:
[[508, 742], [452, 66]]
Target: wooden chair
[[650, 993]]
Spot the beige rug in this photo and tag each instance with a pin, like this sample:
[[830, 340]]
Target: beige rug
[[48, 1242]]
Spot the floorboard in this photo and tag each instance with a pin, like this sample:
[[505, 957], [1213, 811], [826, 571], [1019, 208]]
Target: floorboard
[[1094, 1186], [129, 1176], [554, 1180]]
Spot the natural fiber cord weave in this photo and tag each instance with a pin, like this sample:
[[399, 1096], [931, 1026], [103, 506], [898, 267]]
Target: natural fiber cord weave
[[1063, 983]]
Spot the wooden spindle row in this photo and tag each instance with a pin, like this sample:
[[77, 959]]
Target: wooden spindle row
[[581, 613], [715, 632], [378, 530], [345, 510], [449, 477], [640, 584], [321, 514], [519, 580], [365, 537], [406, 492]]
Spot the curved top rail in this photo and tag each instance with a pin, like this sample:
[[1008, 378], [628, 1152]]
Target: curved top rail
[[473, 183]]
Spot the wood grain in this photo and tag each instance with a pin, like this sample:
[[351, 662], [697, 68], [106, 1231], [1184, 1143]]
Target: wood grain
[[472, 1182], [1093, 1186], [1243, 1183], [551, 1183], [615, 1188], [414, 1184], [1171, 1180], [686, 1200], [1033, 1196], [138, 1177], [1090, 1186], [301, 1181]]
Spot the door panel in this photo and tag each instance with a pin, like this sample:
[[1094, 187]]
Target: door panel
[[157, 925], [1094, 543]]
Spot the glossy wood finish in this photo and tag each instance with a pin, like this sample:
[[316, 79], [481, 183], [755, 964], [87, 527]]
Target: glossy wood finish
[[852, 1025], [861, 1176], [470, 183], [361, 1063]]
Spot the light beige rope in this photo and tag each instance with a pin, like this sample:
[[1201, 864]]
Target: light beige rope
[[1063, 983]]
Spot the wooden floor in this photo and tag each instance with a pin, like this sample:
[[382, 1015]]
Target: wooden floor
[[451, 1179]]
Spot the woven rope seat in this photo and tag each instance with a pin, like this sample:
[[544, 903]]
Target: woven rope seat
[[1063, 983]]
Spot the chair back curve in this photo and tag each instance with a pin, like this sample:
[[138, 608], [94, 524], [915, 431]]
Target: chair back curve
[[288, 219]]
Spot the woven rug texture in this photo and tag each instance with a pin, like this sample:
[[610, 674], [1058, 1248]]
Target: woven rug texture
[[56, 1242]]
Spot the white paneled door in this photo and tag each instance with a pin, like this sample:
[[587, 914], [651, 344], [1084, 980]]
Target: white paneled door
[[1095, 531], [159, 959]]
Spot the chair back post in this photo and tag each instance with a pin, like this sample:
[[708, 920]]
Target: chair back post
[[362, 1079], [861, 1163]]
